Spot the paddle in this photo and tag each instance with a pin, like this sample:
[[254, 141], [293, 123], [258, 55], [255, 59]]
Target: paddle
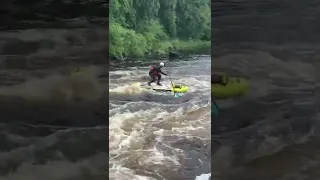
[[176, 95], [215, 108]]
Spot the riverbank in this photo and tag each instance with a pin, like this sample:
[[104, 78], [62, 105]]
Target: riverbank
[[189, 47], [180, 47]]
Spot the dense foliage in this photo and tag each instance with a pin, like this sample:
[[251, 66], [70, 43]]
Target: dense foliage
[[141, 27]]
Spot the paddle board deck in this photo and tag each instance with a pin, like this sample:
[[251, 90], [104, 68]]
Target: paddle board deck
[[154, 86], [165, 87]]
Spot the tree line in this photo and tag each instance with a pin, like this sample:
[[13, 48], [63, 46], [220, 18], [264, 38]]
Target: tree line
[[141, 27]]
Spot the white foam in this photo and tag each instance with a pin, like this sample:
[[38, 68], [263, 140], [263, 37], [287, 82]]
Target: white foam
[[135, 135], [203, 177]]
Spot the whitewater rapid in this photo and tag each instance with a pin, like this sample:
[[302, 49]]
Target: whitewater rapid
[[153, 135]]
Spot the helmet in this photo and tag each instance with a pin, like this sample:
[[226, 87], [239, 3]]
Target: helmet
[[161, 64]]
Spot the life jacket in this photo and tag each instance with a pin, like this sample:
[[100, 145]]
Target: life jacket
[[153, 70]]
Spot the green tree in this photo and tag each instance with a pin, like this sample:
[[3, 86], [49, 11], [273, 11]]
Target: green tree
[[140, 27]]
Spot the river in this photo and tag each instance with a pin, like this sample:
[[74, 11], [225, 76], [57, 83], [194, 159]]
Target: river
[[273, 132], [153, 135], [52, 126]]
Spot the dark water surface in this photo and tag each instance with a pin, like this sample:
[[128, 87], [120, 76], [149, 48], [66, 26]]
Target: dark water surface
[[272, 133], [53, 126]]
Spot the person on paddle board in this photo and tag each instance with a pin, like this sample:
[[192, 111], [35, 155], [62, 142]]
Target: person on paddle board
[[155, 71]]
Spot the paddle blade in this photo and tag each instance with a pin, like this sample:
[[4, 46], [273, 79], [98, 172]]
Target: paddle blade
[[176, 95], [215, 108]]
